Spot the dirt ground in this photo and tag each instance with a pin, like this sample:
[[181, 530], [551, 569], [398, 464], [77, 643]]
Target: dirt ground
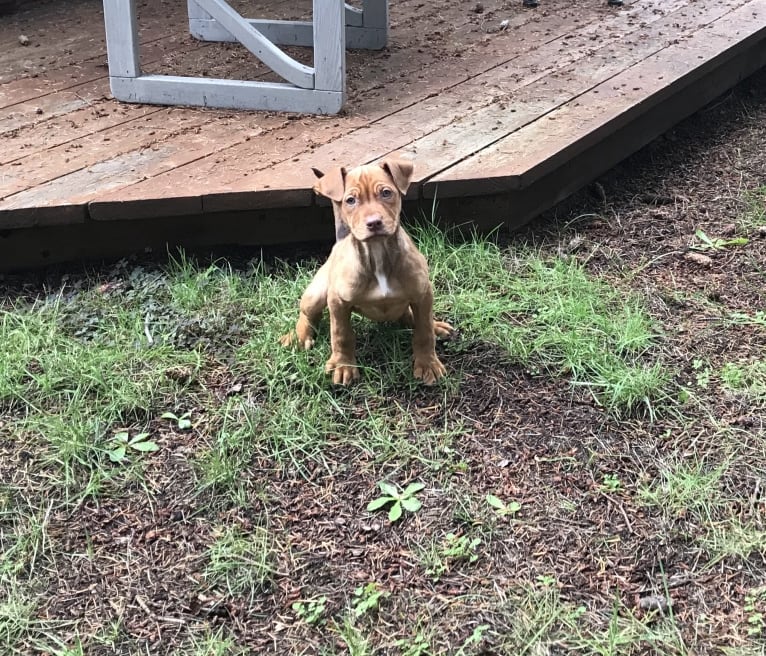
[[530, 438]]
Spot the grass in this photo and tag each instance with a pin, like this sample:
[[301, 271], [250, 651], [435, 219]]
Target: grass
[[241, 562], [550, 315], [255, 451]]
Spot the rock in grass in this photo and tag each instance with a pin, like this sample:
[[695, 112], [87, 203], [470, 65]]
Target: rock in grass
[[699, 258], [654, 602]]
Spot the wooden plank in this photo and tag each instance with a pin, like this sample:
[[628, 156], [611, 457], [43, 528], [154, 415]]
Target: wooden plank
[[243, 182], [48, 43], [446, 147], [73, 130], [225, 94], [137, 134], [81, 185], [31, 113], [442, 116], [162, 32], [75, 74], [528, 154], [30, 217], [330, 46], [66, 33], [104, 239], [515, 207]]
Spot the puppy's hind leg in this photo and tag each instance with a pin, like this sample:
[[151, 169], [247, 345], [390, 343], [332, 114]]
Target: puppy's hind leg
[[313, 303], [442, 329]]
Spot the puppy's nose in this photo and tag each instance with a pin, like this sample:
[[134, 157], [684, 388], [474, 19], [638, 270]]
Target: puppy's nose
[[374, 223]]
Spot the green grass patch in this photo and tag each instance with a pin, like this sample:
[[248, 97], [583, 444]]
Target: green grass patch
[[551, 315], [686, 488], [241, 562], [745, 378], [754, 215]]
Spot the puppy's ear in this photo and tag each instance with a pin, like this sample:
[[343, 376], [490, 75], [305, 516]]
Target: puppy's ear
[[400, 171], [332, 185]]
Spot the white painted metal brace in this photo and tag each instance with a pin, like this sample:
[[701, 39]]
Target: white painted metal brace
[[320, 89]]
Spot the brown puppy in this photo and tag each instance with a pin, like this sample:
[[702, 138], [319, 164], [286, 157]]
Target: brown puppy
[[374, 269]]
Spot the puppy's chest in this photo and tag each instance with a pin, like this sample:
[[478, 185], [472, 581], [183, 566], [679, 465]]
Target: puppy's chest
[[382, 287], [383, 298], [381, 284]]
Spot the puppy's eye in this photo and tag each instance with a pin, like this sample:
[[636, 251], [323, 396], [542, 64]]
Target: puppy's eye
[[350, 201], [386, 193]]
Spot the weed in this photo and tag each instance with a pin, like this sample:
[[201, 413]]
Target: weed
[[311, 611], [477, 635], [140, 443], [706, 243], [702, 373], [611, 483], [755, 612], [17, 613], [452, 549], [367, 598], [757, 318], [733, 538], [755, 209], [356, 643], [546, 580], [501, 508], [418, 645], [747, 379], [213, 643], [685, 487], [551, 315], [399, 500], [182, 423]]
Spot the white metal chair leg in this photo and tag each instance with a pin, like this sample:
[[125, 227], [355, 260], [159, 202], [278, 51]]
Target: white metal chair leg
[[320, 89], [366, 28]]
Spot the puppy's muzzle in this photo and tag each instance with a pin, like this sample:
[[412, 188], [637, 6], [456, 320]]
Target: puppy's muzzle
[[374, 223]]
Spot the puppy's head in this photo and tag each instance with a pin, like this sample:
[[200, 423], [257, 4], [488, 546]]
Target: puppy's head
[[367, 199]]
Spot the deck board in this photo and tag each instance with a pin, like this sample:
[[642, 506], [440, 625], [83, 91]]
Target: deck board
[[527, 154], [483, 111], [476, 80]]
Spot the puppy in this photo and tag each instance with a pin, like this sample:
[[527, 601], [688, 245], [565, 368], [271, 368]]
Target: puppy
[[374, 269]]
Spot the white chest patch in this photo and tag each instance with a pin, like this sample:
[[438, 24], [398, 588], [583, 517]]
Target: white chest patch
[[385, 290]]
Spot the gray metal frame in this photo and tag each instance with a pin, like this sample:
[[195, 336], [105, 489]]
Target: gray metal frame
[[320, 89]]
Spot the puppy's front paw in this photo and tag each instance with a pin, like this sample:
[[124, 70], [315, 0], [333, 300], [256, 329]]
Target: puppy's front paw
[[429, 370], [343, 373], [291, 339], [442, 329]]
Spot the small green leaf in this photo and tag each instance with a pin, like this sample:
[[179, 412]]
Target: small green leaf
[[513, 507], [495, 502], [378, 503], [184, 424], [148, 445], [168, 415], [122, 436], [138, 438], [389, 489], [117, 455], [411, 504], [699, 234], [412, 488], [395, 513]]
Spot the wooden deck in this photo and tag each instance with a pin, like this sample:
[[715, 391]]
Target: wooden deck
[[502, 123]]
